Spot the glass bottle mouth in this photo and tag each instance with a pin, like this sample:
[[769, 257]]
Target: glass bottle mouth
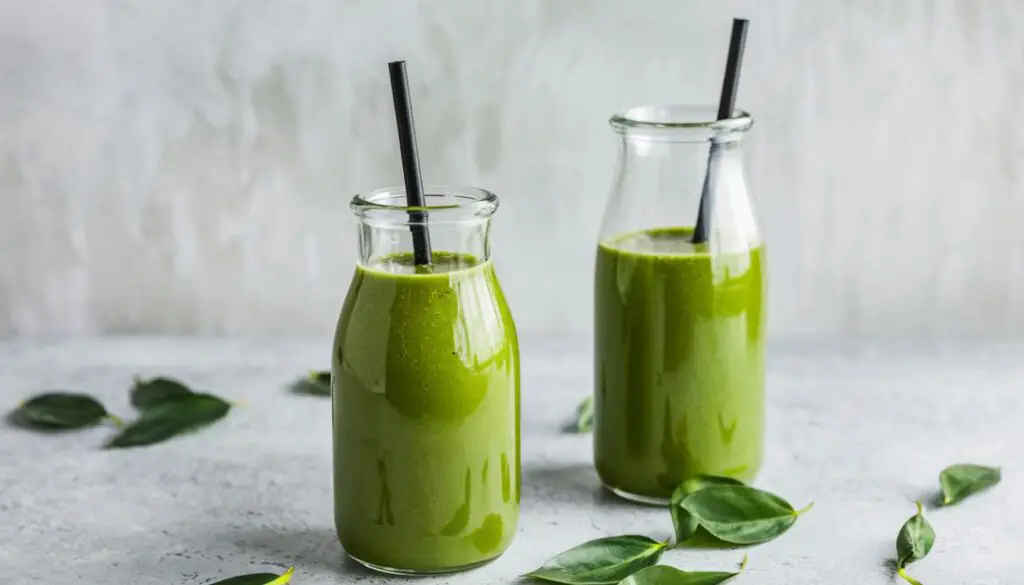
[[680, 123], [444, 204]]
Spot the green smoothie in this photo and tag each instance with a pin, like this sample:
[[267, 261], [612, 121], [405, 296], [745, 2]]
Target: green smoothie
[[426, 416], [679, 362]]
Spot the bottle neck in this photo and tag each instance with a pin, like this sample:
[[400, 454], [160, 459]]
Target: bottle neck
[[454, 226], [660, 183], [388, 242]]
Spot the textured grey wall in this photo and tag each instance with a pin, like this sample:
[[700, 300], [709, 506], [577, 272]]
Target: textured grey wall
[[185, 167]]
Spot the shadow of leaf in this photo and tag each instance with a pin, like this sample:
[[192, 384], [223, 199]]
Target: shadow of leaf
[[891, 567], [570, 428], [307, 387], [703, 539]]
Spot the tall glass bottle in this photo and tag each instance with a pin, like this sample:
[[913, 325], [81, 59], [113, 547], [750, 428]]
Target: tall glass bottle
[[679, 326], [425, 386]]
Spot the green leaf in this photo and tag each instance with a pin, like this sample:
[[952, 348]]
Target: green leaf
[[915, 539], [604, 561], [259, 579], [965, 479], [171, 418], [740, 514], [585, 415], [60, 410], [913, 543], [684, 522], [665, 575], [147, 393], [322, 377]]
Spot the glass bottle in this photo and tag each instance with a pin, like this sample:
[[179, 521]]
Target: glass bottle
[[679, 326], [425, 387]]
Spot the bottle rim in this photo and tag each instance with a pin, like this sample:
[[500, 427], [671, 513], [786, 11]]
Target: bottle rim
[[696, 122], [444, 203]]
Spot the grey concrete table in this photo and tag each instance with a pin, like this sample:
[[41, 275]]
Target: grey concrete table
[[862, 430]]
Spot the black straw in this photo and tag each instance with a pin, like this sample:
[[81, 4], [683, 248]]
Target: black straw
[[410, 163], [730, 83]]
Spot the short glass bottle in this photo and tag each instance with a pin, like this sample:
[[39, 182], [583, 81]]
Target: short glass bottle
[[425, 387]]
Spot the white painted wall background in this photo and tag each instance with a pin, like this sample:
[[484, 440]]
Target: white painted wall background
[[182, 167]]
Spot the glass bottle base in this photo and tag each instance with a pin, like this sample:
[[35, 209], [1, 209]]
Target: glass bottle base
[[420, 572], [646, 500]]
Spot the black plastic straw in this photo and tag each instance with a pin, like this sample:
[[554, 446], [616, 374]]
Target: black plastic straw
[[410, 163], [726, 102]]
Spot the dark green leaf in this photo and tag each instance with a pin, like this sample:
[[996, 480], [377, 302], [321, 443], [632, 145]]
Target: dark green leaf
[[259, 579], [684, 522], [170, 418], [740, 514], [665, 575], [965, 479], [58, 410], [604, 561], [913, 543], [147, 393], [585, 415], [322, 377], [915, 539]]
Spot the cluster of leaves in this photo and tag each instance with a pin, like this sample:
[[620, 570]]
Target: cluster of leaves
[[729, 511], [622, 560], [917, 536], [167, 408], [734, 513]]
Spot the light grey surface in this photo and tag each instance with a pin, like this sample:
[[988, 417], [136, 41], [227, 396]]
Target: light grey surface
[[184, 167], [860, 430]]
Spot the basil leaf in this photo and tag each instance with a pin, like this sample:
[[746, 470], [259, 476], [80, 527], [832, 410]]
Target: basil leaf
[[604, 561], [322, 377], [913, 543], [684, 522], [965, 479], [585, 415], [147, 393], [259, 579], [171, 418], [740, 514], [320, 383], [62, 410], [665, 575]]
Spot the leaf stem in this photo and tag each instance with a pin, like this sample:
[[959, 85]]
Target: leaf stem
[[282, 579], [903, 573], [116, 420], [920, 508], [806, 508], [743, 564]]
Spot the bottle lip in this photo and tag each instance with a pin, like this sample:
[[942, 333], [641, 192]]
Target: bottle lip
[[445, 203], [696, 122]]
